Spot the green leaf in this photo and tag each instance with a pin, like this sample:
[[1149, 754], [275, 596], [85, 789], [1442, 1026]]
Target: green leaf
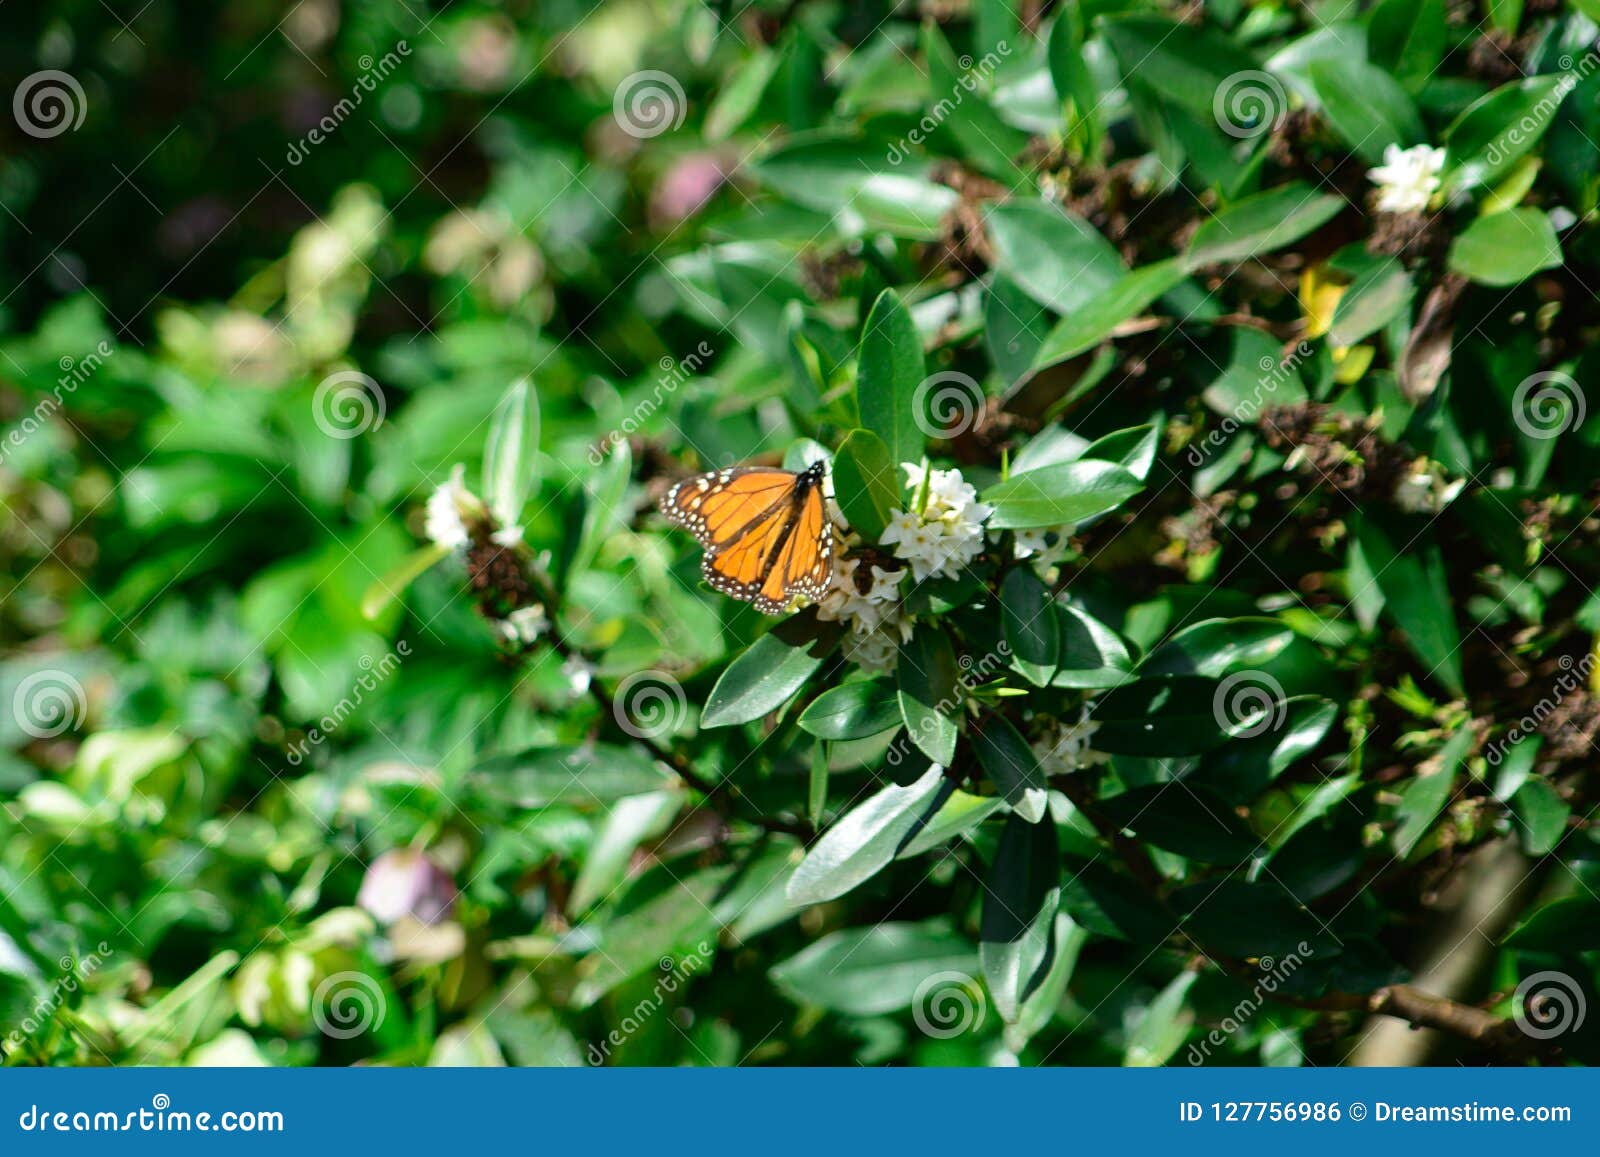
[[1240, 919], [1217, 646], [511, 453], [1240, 770], [770, 671], [876, 970], [1373, 300], [1134, 449], [904, 206], [1506, 248], [1090, 654], [1568, 925], [591, 775], [1058, 495], [1416, 597], [863, 842], [381, 595], [1497, 130], [1160, 1032], [680, 921], [604, 491], [1021, 894], [1057, 258], [1407, 38], [1170, 715], [1260, 224], [738, 100], [1009, 761], [985, 140], [1092, 324], [1191, 821], [1014, 328], [960, 813], [1185, 63], [1028, 615], [853, 711], [1426, 795], [865, 483], [1541, 816], [891, 369], [929, 692], [1365, 106]]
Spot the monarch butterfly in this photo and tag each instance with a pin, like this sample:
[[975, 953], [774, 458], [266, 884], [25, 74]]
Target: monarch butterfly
[[766, 533]]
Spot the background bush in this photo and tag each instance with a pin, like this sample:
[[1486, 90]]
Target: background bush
[[1251, 718]]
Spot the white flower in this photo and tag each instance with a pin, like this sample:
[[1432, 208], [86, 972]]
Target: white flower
[[579, 673], [947, 533], [1046, 545], [524, 625], [1424, 490], [874, 652], [1408, 178], [1065, 748], [451, 509], [845, 602]]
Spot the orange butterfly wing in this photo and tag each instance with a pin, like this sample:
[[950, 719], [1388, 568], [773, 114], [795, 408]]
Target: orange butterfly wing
[[766, 533]]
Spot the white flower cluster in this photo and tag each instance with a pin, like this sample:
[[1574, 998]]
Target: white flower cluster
[[1408, 178], [1064, 747], [451, 509], [878, 623], [946, 533], [1046, 545]]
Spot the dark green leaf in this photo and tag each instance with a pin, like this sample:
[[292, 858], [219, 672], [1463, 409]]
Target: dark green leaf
[[770, 671], [891, 369], [1062, 494]]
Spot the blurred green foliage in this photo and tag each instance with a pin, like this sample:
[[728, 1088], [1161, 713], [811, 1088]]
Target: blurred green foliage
[[359, 705]]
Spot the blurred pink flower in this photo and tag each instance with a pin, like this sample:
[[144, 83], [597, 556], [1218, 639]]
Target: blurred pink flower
[[407, 883]]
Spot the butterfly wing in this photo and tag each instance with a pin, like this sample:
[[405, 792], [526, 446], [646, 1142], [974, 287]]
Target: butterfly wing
[[766, 533], [718, 508]]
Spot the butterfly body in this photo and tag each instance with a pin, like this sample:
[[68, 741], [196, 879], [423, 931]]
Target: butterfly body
[[766, 532]]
